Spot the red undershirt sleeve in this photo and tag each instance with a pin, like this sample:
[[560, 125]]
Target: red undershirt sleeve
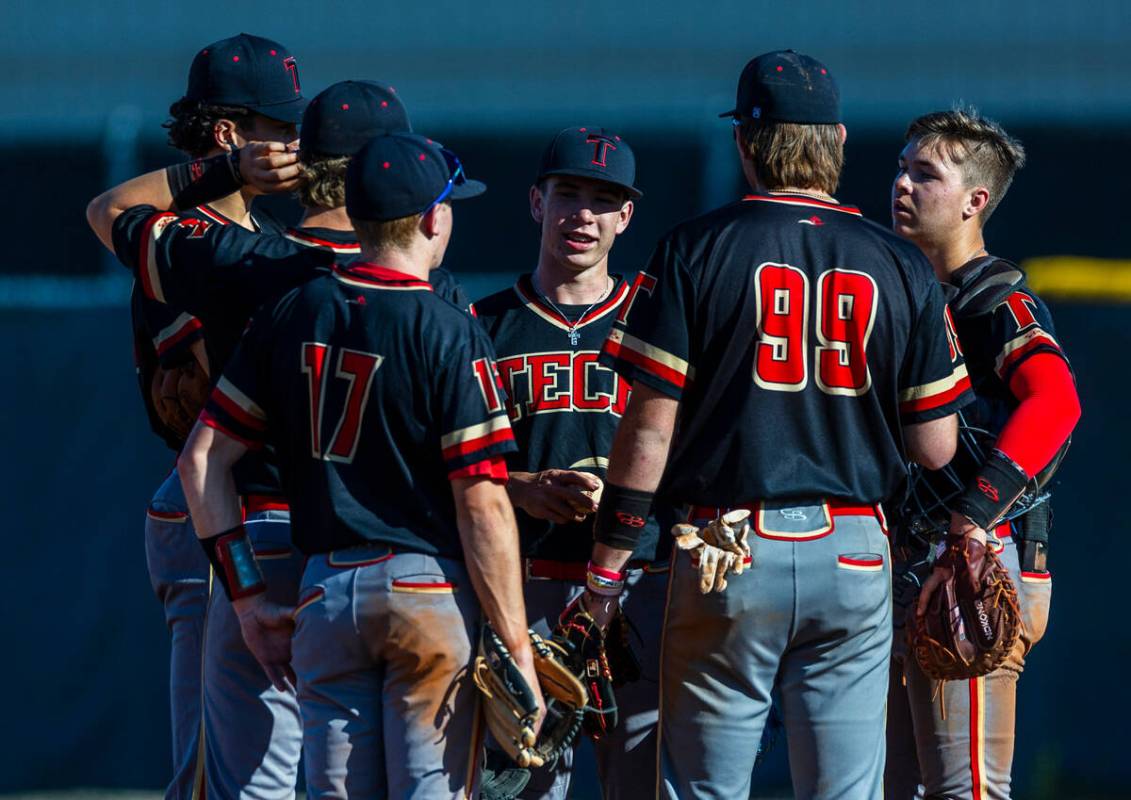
[[1048, 411]]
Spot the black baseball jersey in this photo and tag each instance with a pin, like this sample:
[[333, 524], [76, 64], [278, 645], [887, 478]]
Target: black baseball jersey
[[995, 344], [798, 337], [162, 337], [374, 393], [221, 272], [563, 405]]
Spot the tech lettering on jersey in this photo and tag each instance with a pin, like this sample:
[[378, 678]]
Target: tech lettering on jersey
[[567, 380]]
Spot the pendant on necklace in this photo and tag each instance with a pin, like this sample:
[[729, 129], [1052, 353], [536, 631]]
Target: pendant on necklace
[[574, 338]]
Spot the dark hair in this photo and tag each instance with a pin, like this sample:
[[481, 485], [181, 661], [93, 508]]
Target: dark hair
[[191, 123], [981, 149]]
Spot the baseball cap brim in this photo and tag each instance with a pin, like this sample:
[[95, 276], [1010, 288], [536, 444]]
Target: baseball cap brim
[[469, 188], [734, 113], [594, 175], [290, 111]]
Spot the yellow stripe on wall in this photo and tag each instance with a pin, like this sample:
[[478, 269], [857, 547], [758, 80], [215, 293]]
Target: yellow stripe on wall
[[1080, 278]]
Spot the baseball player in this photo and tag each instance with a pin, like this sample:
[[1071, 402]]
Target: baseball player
[[378, 400], [223, 273], [564, 408], [230, 98], [806, 355], [956, 741]]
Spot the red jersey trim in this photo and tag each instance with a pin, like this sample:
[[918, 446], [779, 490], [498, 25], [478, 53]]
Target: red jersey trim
[[147, 263], [176, 333], [1019, 348], [937, 400], [215, 216], [232, 406], [794, 200], [494, 468], [308, 240], [209, 419], [377, 277], [650, 359], [471, 445], [524, 288]]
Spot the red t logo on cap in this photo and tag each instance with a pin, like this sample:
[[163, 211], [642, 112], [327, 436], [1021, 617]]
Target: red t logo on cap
[[292, 67], [601, 148]]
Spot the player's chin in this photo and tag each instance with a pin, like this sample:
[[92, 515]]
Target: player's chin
[[901, 225]]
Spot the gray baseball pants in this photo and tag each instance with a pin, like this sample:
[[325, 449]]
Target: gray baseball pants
[[252, 731], [179, 574], [382, 648], [811, 617], [955, 742]]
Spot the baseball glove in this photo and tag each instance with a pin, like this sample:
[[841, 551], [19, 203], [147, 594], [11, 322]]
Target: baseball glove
[[972, 619], [717, 550], [509, 705], [602, 660]]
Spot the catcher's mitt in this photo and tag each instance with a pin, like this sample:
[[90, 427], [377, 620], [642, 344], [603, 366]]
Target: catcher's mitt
[[972, 619], [178, 394], [509, 704], [719, 549], [602, 660]]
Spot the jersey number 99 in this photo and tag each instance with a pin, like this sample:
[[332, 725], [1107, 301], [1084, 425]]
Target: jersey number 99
[[845, 302]]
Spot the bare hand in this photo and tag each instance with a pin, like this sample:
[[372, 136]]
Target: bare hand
[[960, 525], [525, 663], [601, 608], [270, 167], [267, 628], [557, 495]]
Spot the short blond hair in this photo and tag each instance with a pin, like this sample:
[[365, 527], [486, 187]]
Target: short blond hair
[[981, 149], [323, 181], [393, 234], [785, 154]]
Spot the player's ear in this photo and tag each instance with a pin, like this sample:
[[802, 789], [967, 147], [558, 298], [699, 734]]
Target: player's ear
[[536, 203], [843, 131], [224, 134], [976, 201], [625, 217]]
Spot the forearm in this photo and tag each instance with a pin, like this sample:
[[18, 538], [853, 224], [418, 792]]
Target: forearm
[[636, 464], [150, 189], [489, 537], [205, 467]]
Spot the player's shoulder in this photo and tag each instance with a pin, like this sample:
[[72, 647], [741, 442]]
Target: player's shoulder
[[498, 304]]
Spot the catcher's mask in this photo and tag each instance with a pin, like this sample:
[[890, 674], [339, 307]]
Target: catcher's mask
[[925, 511]]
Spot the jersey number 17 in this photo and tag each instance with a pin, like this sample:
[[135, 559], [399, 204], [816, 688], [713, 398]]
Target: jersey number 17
[[845, 302], [358, 369]]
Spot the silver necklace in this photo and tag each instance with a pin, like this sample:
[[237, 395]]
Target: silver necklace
[[574, 336]]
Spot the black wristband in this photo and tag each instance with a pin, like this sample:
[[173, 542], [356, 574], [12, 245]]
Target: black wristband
[[994, 489], [233, 563], [621, 516], [194, 183]]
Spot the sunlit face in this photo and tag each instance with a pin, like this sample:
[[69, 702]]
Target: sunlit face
[[580, 218], [929, 197]]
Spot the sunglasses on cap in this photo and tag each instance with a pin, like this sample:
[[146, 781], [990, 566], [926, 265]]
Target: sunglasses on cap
[[456, 177]]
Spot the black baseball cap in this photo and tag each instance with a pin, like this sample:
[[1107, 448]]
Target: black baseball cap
[[248, 72], [589, 152], [787, 86], [346, 115], [399, 174]]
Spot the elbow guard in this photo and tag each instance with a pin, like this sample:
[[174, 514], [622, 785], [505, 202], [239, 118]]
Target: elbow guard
[[621, 517]]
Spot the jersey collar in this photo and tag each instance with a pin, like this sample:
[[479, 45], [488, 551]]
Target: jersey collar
[[802, 200], [374, 276], [524, 288], [344, 242]]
